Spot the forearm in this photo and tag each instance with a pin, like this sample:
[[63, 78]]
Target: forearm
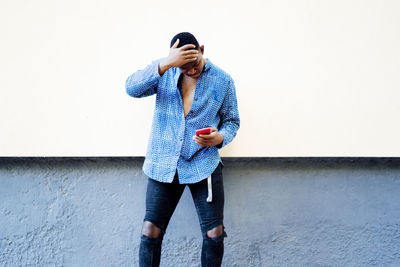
[[230, 120], [143, 82], [228, 130], [163, 66]]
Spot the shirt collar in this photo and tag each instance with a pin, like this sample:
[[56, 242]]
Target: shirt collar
[[208, 65]]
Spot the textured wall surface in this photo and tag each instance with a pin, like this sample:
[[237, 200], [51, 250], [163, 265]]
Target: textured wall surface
[[278, 212]]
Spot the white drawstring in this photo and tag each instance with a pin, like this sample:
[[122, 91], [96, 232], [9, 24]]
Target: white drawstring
[[209, 198]]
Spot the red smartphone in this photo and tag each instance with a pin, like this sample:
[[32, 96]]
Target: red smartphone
[[203, 131]]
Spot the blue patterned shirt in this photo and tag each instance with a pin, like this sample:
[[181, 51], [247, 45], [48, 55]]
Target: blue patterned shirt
[[171, 146]]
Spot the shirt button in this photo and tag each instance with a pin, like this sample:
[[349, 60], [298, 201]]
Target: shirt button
[[195, 98]]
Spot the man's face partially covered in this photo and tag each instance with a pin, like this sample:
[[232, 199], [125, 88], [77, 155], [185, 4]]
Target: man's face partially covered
[[194, 69]]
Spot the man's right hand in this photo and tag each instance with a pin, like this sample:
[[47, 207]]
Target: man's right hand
[[178, 57]]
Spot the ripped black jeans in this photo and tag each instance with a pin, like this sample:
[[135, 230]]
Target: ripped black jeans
[[161, 201]]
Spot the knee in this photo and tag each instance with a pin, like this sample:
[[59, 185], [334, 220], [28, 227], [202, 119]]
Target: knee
[[215, 232], [150, 230]]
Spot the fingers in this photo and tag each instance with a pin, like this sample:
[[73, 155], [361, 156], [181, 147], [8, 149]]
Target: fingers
[[189, 59], [184, 56], [191, 55], [207, 137], [201, 142], [184, 47], [187, 46], [190, 52], [176, 43], [211, 139]]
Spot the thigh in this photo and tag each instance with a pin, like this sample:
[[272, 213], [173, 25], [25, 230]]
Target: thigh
[[211, 214], [161, 201]]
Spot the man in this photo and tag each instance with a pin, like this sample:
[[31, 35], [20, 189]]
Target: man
[[191, 93]]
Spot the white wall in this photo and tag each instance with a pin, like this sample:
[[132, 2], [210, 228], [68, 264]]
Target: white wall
[[313, 78]]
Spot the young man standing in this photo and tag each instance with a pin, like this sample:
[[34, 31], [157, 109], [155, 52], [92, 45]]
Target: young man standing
[[191, 93]]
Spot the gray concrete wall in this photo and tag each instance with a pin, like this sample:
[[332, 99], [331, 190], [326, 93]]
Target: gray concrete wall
[[278, 212]]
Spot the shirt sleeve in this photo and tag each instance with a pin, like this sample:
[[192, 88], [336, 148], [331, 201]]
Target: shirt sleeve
[[230, 120], [144, 82]]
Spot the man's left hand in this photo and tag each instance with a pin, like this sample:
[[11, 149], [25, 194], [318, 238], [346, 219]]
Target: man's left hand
[[212, 139]]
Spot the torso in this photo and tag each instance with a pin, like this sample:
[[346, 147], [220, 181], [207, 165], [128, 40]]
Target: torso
[[188, 89]]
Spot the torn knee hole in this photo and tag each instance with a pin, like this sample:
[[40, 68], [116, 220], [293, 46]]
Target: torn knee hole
[[215, 232], [150, 230]]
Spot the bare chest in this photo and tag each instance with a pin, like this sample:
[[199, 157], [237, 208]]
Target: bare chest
[[188, 89]]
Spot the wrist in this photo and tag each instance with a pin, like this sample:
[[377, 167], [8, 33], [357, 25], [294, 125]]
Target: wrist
[[219, 145], [221, 138], [163, 66]]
